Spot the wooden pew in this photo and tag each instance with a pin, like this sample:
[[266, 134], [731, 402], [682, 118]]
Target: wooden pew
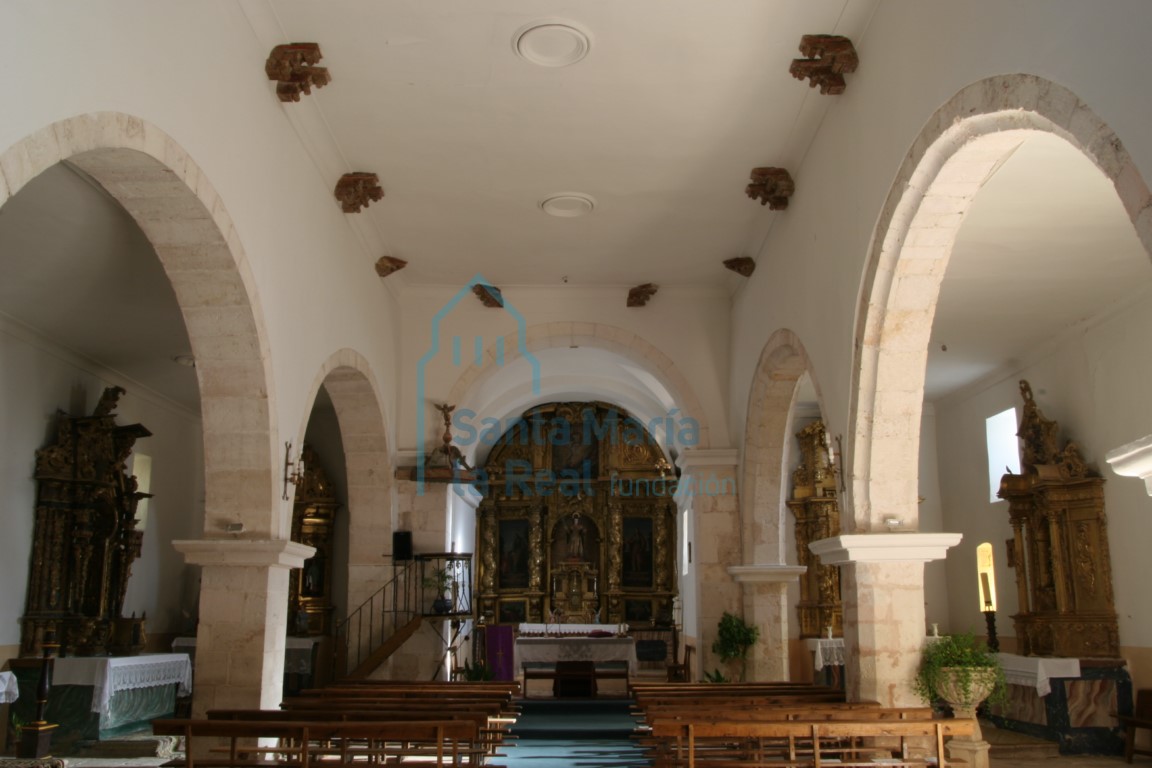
[[319, 744], [796, 744]]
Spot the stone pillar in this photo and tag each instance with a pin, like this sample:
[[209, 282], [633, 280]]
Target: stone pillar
[[708, 483], [243, 626], [765, 590], [884, 624]]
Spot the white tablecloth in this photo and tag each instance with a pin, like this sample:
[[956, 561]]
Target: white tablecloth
[[576, 649], [556, 628], [9, 690], [826, 651], [1037, 671], [110, 674]]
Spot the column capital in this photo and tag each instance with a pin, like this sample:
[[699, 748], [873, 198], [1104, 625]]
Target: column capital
[[767, 573], [707, 457], [884, 547], [1133, 460], [244, 552]]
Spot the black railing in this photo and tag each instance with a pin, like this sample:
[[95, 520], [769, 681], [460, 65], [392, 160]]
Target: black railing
[[379, 617]]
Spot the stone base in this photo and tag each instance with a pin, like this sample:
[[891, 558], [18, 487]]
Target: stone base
[[974, 752]]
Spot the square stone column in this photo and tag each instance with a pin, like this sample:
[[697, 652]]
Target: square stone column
[[884, 629], [243, 628], [765, 588], [708, 484]]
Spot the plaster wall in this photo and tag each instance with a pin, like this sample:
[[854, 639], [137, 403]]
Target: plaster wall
[[166, 65], [688, 326], [39, 378], [1092, 380], [847, 171]]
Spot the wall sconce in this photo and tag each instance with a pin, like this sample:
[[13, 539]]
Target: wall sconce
[[293, 470], [663, 467]]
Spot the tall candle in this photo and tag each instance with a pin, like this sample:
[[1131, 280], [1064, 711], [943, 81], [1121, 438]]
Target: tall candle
[[986, 588]]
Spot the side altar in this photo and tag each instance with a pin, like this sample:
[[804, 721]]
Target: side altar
[[95, 698], [1069, 682]]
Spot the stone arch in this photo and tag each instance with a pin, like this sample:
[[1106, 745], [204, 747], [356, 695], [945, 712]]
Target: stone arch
[[348, 379], [597, 336], [961, 144], [180, 213], [783, 362]]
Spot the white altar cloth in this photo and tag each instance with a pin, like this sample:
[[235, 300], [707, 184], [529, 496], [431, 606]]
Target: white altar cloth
[[1037, 670], [110, 674], [826, 651], [576, 649], [556, 628], [9, 690]]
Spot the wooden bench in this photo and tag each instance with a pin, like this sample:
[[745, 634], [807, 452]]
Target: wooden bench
[[1141, 717], [795, 744], [320, 744]]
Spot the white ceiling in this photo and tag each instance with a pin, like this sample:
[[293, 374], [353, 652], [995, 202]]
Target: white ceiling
[[661, 123]]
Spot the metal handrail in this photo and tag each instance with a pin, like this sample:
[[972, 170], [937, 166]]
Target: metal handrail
[[375, 620]]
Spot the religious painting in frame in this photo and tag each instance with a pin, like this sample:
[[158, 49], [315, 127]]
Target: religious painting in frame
[[514, 554], [637, 611], [636, 563], [513, 611]]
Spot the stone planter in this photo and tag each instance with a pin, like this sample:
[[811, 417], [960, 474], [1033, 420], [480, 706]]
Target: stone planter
[[965, 687]]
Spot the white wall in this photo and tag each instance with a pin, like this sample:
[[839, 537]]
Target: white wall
[[1093, 380], [37, 379], [906, 73]]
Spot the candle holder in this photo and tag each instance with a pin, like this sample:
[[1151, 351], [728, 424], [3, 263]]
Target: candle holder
[[990, 620]]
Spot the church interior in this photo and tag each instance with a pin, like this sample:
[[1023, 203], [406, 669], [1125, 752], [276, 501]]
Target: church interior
[[391, 340]]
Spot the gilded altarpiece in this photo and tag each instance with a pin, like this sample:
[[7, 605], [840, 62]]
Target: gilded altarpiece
[[84, 537], [313, 515], [1059, 547], [577, 523], [817, 516]]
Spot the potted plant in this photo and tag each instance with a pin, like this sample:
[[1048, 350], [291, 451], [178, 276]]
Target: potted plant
[[439, 582], [733, 640], [962, 672]]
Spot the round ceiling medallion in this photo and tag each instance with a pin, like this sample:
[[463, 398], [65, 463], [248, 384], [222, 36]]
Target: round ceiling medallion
[[551, 44], [568, 205]]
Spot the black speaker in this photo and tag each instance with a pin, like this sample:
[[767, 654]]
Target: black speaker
[[401, 545]]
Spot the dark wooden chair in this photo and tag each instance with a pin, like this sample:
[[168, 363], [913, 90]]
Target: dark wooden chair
[[1141, 717], [680, 672]]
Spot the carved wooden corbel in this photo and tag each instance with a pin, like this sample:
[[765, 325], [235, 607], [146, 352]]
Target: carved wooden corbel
[[772, 187], [741, 265], [356, 190], [386, 265], [639, 296], [828, 58], [489, 295], [293, 67]]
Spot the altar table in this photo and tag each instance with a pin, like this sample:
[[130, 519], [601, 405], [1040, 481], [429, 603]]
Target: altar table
[[1037, 671], [550, 628], [576, 649]]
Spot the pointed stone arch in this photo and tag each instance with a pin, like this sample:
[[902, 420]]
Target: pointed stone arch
[[783, 362], [941, 174], [347, 377], [597, 336], [182, 216]]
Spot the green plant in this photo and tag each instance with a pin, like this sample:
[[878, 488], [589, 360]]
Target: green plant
[[961, 658], [439, 581], [715, 676], [733, 640]]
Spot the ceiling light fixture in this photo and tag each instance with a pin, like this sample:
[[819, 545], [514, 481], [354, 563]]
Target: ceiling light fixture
[[568, 205], [551, 43]]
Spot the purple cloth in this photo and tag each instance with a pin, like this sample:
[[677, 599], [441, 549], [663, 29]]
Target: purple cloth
[[499, 644]]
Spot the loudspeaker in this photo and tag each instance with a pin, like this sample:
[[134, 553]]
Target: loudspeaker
[[401, 545]]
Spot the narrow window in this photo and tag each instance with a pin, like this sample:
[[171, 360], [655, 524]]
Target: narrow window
[[1003, 449]]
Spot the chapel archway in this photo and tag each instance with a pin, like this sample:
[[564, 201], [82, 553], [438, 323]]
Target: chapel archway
[[963, 143], [174, 204]]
